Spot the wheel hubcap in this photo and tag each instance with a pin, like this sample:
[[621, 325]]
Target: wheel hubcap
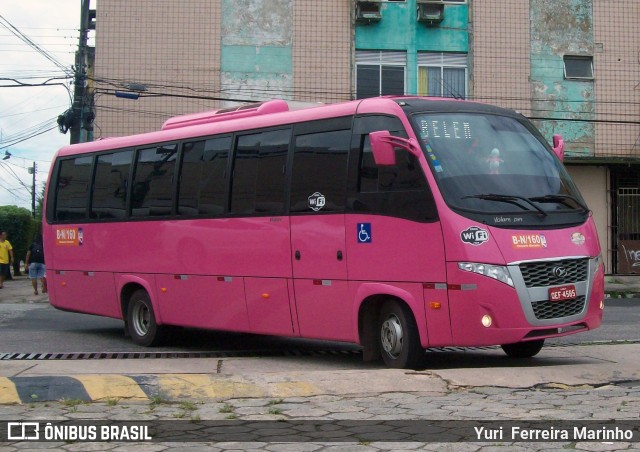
[[391, 335], [141, 319]]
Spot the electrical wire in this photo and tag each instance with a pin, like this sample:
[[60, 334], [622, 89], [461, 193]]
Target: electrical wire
[[6, 24]]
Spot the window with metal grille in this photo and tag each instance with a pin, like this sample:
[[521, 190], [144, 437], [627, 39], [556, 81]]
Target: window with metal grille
[[442, 74], [380, 73]]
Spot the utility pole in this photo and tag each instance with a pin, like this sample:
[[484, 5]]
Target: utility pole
[[80, 79], [33, 171]]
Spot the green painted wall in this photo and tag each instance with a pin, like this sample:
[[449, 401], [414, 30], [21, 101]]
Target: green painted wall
[[256, 47], [558, 28], [399, 30]]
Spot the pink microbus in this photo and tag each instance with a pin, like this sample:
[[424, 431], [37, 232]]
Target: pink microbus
[[396, 223]]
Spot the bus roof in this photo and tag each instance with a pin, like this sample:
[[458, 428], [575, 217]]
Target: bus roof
[[272, 113]]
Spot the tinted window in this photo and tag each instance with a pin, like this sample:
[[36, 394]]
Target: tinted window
[[203, 177], [111, 185], [73, 186], [476, 154], [259, 172], [401, 190], [405, 175], [319, 171], [152, 193]]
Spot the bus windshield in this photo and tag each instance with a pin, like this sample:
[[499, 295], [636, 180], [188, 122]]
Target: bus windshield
[[493, 164]]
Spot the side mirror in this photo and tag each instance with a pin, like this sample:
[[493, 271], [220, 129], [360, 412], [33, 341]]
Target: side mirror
[[383, 146], [384, 153], [558, 146]]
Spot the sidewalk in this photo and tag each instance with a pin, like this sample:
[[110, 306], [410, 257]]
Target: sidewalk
[[19, 290], [28, 380], [622, 286], [191, 399]]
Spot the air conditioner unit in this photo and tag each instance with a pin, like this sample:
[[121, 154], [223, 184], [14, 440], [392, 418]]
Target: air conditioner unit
[[430, 11], [368, 11]]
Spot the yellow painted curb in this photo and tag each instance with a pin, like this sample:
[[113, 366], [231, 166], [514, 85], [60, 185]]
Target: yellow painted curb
[[205, 386], [8, 392], [100, 387], [293, 389]]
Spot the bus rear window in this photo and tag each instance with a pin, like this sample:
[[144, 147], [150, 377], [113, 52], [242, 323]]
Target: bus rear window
[[73, 184]]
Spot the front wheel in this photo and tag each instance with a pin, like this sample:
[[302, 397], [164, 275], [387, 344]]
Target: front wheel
[[399, 338], [141, 321], [523, 349]]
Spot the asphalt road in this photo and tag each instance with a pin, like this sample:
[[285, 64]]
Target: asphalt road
[[39, 328]]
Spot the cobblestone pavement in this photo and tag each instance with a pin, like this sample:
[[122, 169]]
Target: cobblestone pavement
[[369, 422], [473, 405]]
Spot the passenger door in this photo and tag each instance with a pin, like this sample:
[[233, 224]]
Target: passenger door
[[262, 253], [318, 188], [393, 231]]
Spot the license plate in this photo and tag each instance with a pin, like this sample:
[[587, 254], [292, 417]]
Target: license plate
[[562, 293]]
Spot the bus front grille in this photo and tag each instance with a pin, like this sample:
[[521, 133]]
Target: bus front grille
[[552, 273], [546, 309]]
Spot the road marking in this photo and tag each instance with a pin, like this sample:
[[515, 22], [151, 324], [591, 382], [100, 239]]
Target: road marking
[[175, 386], [293, 389], [101, 387], [169, 387], [8, 391]]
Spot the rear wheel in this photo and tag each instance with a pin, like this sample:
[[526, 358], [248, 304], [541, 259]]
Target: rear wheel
[[399, 339], [523, 349], [141, 320]]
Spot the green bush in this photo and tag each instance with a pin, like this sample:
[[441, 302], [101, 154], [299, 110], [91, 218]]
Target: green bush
[[20, 227]]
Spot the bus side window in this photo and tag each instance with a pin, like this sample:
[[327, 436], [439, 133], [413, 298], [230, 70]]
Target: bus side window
[[152, 193], [111, 185], [320, 169], [72, 189], [259, 167], [202, 188], [400, 190]]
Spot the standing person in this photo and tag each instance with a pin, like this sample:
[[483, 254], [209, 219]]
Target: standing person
[[6, 257], [34, 261]]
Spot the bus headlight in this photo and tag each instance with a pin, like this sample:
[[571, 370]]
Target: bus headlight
[[499, 272], [597, 261]]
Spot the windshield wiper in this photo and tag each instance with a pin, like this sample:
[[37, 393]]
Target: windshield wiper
[[511, 199], [560, 199]]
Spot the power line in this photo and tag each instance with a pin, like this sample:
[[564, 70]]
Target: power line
[[32, 135], [6, 24]]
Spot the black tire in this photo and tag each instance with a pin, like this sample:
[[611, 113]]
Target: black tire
[[141, 320], [398, 337], [523, 349]]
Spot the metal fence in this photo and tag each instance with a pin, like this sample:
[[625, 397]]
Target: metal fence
[[628, 233]]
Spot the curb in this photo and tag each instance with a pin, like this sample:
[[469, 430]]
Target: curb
[[167, 387], [621, 295]]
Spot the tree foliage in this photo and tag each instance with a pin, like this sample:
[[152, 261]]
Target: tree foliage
[[40, 203], [20, 227]]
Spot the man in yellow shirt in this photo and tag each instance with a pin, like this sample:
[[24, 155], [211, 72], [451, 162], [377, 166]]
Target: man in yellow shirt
[[6, 256]]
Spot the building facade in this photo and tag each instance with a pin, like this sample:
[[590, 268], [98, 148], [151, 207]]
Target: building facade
[[570, 65], [193, 55]]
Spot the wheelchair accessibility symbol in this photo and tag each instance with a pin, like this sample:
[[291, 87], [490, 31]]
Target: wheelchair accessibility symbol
[[364, 232]]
